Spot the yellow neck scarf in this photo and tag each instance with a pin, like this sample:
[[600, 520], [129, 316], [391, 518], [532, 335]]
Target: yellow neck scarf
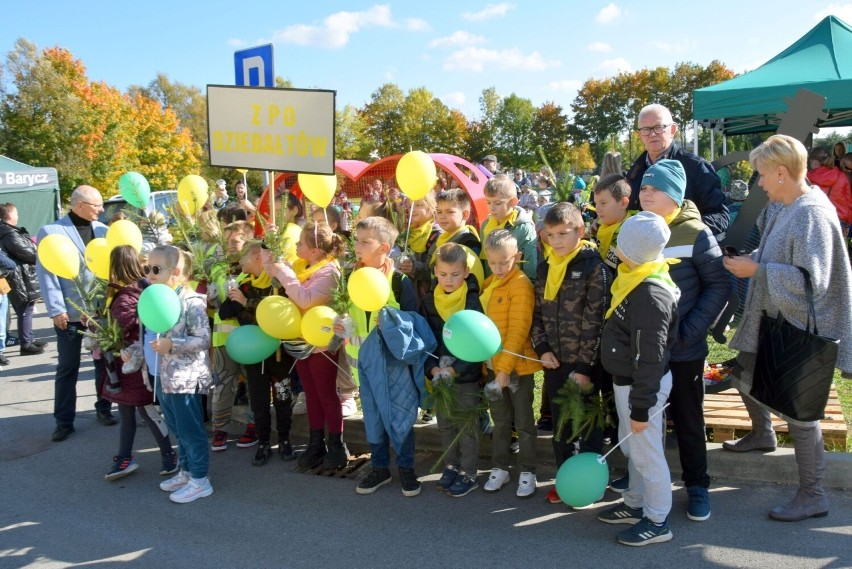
[[448, 303], [419, 236], [447, 237], [628, 279], [607, 233], [261, 281], [485, 297], [304, 272], [671, 217], [491, 224], [556, 269]]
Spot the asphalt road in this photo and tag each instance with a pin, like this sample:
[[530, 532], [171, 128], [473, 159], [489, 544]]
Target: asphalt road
[[56, 510]]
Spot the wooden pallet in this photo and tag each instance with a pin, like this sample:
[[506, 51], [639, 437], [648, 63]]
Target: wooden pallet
[[725, 413], [352, 471]]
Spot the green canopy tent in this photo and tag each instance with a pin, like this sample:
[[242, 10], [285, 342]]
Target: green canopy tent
[[821, 61], [34, 191]]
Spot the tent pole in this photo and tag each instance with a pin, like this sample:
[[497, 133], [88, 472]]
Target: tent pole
[[695, 137], [712, 145]]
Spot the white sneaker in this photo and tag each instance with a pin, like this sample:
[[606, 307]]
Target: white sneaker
[[526, 485], [194, 489], [496, 480], [348, 405], [179, 480], [300, 407]]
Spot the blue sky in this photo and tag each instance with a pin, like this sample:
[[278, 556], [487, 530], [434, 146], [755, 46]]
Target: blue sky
[[542, 50]]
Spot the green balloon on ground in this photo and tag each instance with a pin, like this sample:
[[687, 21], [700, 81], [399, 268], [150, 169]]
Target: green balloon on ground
[[250, 345], [471, 336], [159, 308], [582, 479]]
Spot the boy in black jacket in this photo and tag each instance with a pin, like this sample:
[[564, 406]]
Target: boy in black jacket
[[638, 335], [455, 289]]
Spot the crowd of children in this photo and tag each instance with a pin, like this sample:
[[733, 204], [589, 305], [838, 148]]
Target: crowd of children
[[595, 306]]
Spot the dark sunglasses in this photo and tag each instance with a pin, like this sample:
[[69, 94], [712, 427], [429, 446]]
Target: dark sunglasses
[[148, 269]]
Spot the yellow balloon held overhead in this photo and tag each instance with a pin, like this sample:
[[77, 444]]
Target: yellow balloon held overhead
[[318, 188], [368, 289], [279, 317], [192, 193], [416, 174], [97, 257], [58, 254], [318, 326], [124, 232]]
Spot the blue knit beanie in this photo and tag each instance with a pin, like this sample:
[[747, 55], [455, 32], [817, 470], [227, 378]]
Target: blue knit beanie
[[669, 177]]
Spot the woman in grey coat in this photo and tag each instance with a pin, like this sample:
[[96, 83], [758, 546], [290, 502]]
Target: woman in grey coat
[[799, 228]]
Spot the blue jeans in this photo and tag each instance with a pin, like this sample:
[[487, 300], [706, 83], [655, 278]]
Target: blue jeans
[[4, 312], [68, 344], [184, 416], [381, 452], [25, 322]]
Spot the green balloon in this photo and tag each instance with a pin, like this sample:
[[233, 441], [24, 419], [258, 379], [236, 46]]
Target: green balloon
[[134, 188], [250, 345], [582, 479], [159, 308], [471, 336]]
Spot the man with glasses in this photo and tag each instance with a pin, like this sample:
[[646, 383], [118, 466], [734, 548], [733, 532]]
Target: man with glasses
[[657, 130], [60, 295]]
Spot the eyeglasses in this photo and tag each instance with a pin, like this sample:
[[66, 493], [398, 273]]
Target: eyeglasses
[[95, 205], [156, 269], [657, 129]]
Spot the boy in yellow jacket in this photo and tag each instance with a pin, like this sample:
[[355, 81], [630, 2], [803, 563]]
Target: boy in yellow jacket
[[508, 299]]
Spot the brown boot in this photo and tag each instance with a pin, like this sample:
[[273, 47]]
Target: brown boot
[[810, 500]]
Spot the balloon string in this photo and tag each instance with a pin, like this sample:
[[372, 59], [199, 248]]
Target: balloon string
[[156, 368], [602, 459], [408, 231], [524, 357], [335, 363]]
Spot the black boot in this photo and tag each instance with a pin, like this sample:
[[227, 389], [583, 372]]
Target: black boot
[[263, 454], [338, 454], [313, 455]]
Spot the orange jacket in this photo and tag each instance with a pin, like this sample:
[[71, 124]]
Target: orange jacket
[[835, 184], [511, 309]]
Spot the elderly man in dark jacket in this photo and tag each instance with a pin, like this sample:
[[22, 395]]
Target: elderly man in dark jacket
[[19, 246], [657, 130], [704, 287]]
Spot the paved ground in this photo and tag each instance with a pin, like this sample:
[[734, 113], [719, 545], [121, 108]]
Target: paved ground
[[57, 511]]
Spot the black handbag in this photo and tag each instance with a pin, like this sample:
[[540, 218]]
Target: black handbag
[[794, 367]]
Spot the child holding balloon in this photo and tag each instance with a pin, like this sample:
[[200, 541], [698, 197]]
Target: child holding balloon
[[508, 299], [423, 234], [640, 329], [310, 282], [183, 373]]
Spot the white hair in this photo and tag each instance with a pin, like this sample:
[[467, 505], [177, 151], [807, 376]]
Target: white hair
[[658, 109]]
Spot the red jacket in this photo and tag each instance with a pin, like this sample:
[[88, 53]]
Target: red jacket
[[835, 184]]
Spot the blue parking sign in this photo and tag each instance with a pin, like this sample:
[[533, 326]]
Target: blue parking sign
[[253, 67]]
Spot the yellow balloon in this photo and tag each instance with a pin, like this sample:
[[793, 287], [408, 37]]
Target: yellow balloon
[[279, 317], [318, 188], [416, 174], [124, 232], [318, 326], [192, 193], [58, 254], [97, 257], [242, 170], [368, 289]]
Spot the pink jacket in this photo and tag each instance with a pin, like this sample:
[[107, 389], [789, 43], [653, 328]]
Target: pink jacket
[[835, 183], [315, 291]]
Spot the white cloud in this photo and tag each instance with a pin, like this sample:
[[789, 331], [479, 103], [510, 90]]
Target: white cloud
[[454, 99], [599, 46], [617, 65], [477, 58], [489, 12], [568, 85], [609, 14], [235, 42], [336, 29], [677, 47], [459, 38], [842, 11], [390, 74]]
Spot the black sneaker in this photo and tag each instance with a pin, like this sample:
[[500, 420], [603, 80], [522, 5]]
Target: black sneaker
[[121, 466], [170, 464], [106, 419], [40, 343], [285, 450], [31, 350], [263, 454], [4, 361], [61, 433], [410, 483], [377, 478]]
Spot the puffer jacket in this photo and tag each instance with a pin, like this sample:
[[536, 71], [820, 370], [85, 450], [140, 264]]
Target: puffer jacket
[[524, 231], [703, 186], [570, 324], [467, 372], [186, 369], [16, 242], [835, 184], [703, 281], [390, 366], [511, 309]]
